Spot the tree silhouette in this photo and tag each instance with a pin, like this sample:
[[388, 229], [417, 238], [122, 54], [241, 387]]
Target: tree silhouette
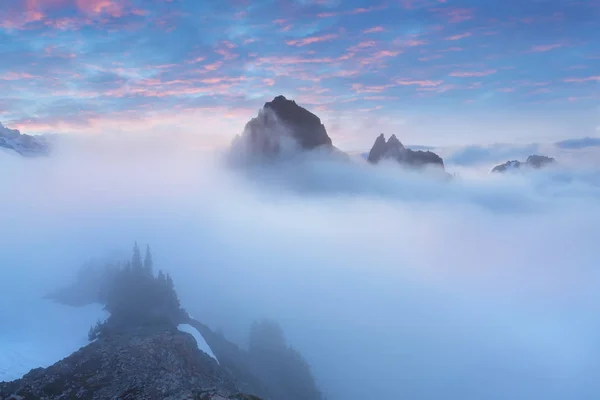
[[148, 264], [136, 298]]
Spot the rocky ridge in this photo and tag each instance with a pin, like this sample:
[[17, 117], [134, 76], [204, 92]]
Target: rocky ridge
[[161, 364], [533, 161], [393, 149], [142, 351], [25, 145]]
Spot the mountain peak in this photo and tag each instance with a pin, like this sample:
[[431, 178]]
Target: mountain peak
[[394, 149], [25, 145], [533, 161], [280, 125]]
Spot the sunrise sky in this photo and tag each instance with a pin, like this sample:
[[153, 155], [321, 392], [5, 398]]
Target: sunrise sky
[[434, 72]]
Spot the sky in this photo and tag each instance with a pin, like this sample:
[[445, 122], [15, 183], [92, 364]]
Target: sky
[[434, 72]]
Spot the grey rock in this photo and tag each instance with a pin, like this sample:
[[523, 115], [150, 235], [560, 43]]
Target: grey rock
[[141, 365], [282, 126], [533, 161], [393, 149]]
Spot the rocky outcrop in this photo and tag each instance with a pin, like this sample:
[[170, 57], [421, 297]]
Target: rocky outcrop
[[393, 149], [533, 161], [282, 126], [146, 364], [25, 145], [141, 339]]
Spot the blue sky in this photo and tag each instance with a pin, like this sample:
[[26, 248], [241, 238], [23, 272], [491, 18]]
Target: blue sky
[[435, 72]]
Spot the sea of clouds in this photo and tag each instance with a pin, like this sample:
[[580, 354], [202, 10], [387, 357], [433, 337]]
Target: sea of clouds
[[392, 284]]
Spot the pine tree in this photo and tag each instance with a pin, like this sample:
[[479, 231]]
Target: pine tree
[[161, 279], [136, 258], [148, 264]]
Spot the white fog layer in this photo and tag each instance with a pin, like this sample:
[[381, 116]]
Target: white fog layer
[[392, 285]]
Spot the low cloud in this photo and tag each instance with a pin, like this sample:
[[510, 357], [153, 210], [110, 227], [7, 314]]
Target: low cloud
[[391, 284]]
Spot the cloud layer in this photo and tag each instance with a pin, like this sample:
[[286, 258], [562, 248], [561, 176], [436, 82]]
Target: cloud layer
[[392, 284]]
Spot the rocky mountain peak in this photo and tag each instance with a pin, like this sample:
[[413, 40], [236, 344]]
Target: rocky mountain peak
[[533, 161], [280, 126], [25, 145], [393, 149]]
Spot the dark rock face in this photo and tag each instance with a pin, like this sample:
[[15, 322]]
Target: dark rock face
[[282, 124], [147, 365], [25, 145], [393, 149], [306, 127], [534, 161]]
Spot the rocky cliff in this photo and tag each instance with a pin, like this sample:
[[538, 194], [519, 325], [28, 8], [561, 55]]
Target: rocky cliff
[[533, 161], [393, 149], [143, 364], [282, 126]]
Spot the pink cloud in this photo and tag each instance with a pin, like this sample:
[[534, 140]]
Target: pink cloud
[[460, 36], [115, 8], [422, 83], [387, 53], [432, 57], [374, 29], [583, 80], [195, 60], [415, 43], [214, 66], [470, 74], [545, 48], [455, 15], [17, 76], [311, 39], [355, 11], [360, 88]]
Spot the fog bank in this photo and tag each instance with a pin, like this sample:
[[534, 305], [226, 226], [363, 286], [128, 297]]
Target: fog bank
[[391, 284]]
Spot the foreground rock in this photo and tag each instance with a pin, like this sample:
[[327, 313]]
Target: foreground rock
[[534, 161], [165, 364], [25, 145], [140, 352], [393, 149], [282, 126]]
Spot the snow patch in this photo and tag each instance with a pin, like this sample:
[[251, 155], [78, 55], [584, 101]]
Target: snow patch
[[200, 341]]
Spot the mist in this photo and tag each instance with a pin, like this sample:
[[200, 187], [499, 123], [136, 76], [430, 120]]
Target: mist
[[391, 284]]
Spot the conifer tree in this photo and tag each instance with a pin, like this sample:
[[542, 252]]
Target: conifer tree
[[148, 264], [136, 258]]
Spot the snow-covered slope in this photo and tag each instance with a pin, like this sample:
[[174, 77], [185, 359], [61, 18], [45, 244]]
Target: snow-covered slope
[[25, 145], [202, 345]]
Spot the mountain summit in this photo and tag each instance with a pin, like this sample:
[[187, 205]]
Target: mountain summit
[[393, 149], [25, 145], [533, 161], [282, 126]]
